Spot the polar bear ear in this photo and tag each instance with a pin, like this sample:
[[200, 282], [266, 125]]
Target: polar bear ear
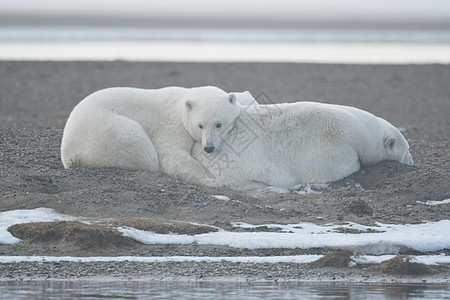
[[389, 143], [232, 98], [189, 104]]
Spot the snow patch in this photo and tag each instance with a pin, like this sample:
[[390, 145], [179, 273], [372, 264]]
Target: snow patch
[[380, 239], [297, 259], [12, 217], [432, 203], [420, 259], [220, 197], [387, 238]]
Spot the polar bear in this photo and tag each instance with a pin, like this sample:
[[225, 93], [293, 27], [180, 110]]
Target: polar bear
[[245, 98], [298, 143], [152, 129]]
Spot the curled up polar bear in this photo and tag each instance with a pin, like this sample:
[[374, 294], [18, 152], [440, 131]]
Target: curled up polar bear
[[152, 130], [299, 143]]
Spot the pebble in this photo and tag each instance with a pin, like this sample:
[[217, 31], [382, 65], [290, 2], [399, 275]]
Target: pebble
[[68, 270]]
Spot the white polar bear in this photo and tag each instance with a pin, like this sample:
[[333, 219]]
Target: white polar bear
[[299, 143], [152, 130], [245, 98]]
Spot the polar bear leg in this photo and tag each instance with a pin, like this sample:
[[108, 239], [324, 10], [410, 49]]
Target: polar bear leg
[[113, 141], [128, 146], [330, 163], [338, 163], [184, 167]]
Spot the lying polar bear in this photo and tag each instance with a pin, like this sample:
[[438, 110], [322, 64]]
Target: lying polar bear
[[149, 129], [305, 142]]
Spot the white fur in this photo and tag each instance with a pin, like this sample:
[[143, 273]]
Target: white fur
[[304, 142], [152, 130], [245, 98]]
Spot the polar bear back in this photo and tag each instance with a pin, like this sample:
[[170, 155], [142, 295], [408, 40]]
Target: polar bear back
[[337, 125], [316, 142], [113, 128], [129, 102]]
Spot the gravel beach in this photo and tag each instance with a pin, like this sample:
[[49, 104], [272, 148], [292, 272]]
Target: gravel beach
[[37, 97]]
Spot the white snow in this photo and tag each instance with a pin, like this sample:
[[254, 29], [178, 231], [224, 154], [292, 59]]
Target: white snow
[[298, 259], [9, 218], [422, 259], [432, 203], [378, 240], [158, 259], [220, 197], [391, 239], [355, 184]]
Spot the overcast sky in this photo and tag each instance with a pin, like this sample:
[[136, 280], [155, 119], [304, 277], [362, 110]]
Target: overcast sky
[[393, 10]]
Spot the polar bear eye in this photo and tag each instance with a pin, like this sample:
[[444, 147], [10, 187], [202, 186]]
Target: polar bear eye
[[200, 126], [219, 125]]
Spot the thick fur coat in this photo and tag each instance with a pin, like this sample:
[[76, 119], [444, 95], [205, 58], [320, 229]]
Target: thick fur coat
[[298, 143], [152, 130]]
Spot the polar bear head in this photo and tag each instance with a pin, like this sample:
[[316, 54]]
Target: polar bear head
[[210, 113], [396, 147]]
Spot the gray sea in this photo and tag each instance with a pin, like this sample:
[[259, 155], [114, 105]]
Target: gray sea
[[222, 34], [216, 290]]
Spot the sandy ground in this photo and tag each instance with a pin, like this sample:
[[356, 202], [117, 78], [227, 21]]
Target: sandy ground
[[36, 98]]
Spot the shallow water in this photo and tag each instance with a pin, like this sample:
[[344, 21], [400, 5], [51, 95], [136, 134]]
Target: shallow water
[[218, 290], [74, 33]]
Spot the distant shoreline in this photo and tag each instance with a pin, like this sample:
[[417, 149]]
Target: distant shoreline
[[191, 51]]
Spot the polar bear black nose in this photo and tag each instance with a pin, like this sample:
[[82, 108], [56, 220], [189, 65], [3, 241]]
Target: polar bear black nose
[[208, 149]]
